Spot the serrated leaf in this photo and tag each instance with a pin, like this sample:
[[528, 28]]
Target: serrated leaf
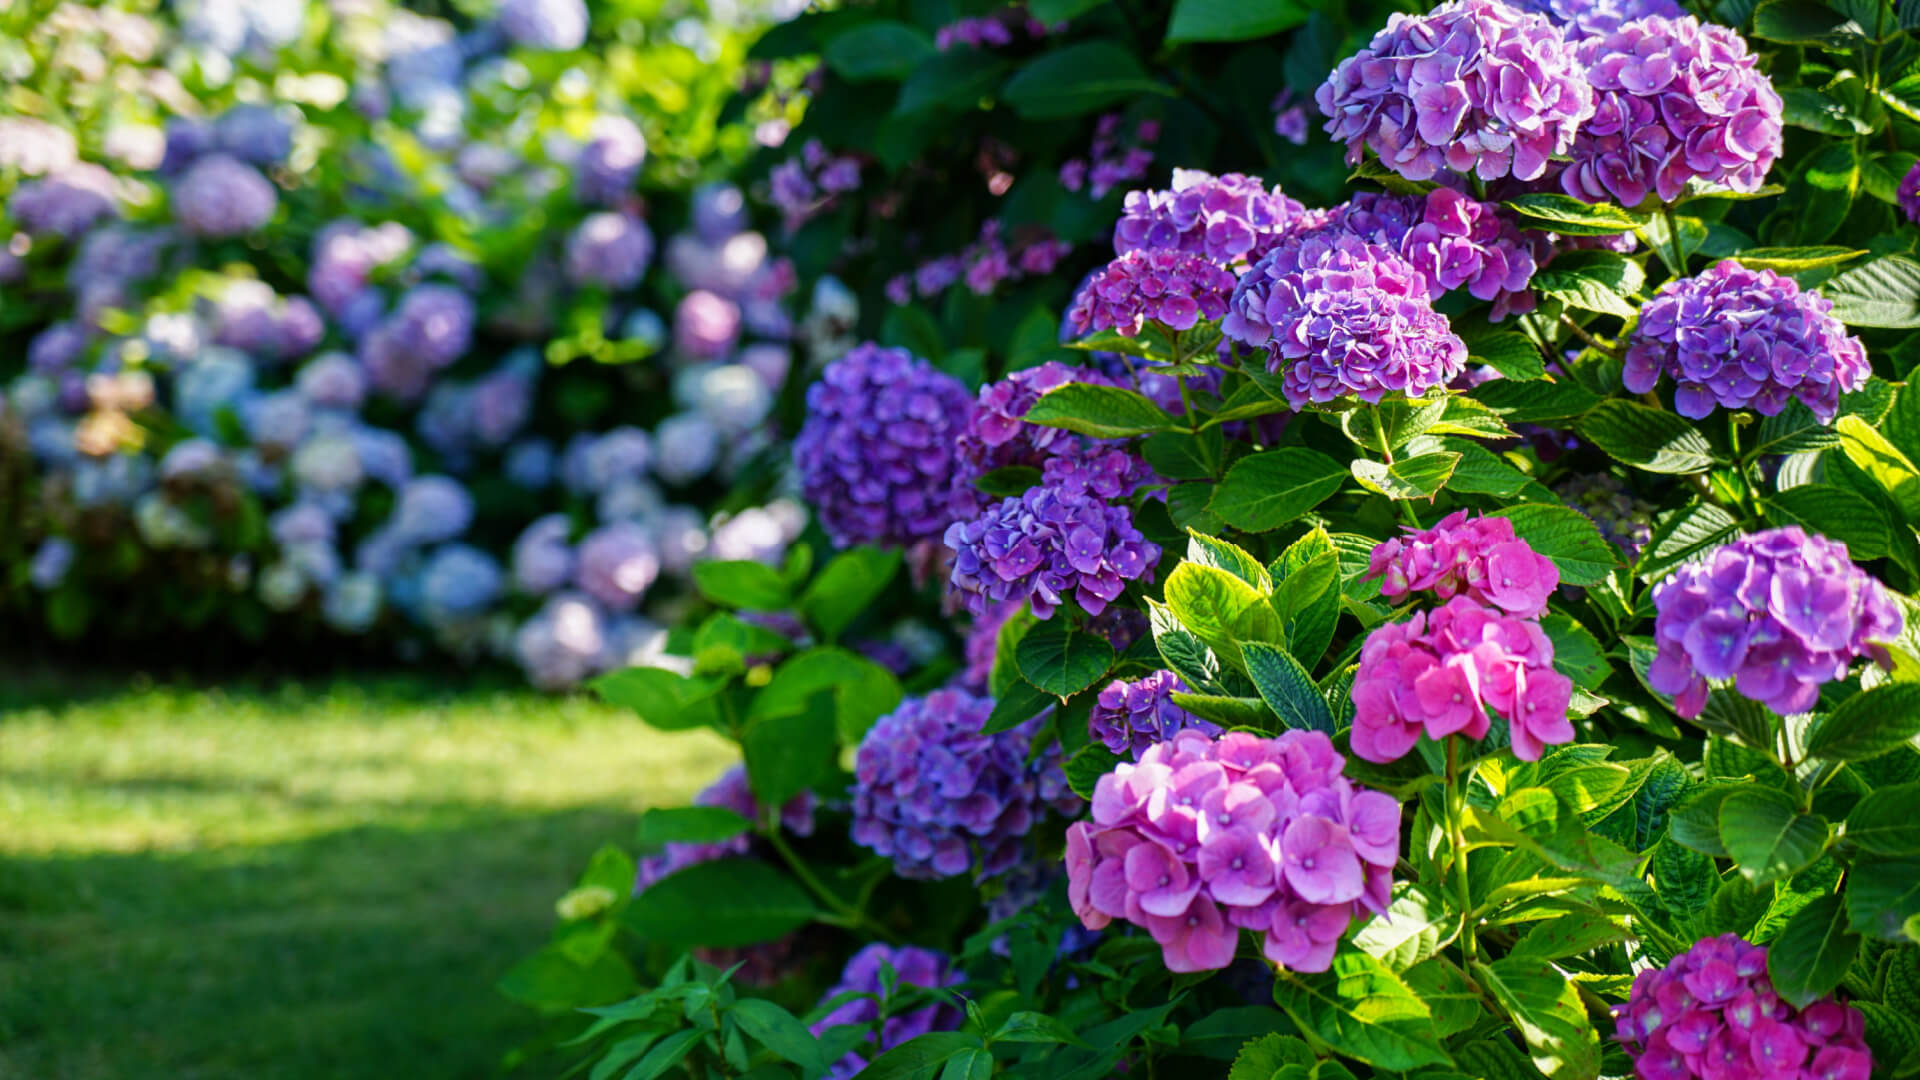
[[1598, 281], [1287, 688], [1366, 1010], [1103, 412], [1062, 661], [1682, 535], [1867, 725], [1267, 490], [1087, 765], [1882, 293], [1409, 478], [1887, 821], [1568, 537], [1794, 260], [1571, 217], [1765, 834], [1546, 1011], [1812, 952], [1418, 923], [1646, 438]]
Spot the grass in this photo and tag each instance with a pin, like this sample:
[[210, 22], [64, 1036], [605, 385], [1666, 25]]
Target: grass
[[308, 880]]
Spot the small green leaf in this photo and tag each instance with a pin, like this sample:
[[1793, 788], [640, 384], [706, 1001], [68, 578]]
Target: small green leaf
[[1765, 833], [1104, 412], [663, 825], [847, 587], [1287, 688], [752, 586], [779, 1031], [1546, 1011], [1569, 216], [1409, 478], [1599, 281], [1882, 293], [1867, 725], [1061, 661], [1812, 953], [1267, 490], [878, 49], [1794, 260], [1231, 20], [723, 903], [1647, 438], [1087, 765], [1362, 1007], [1887, 821], [1077, 80]]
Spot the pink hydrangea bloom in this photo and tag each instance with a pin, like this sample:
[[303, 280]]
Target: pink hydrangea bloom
[[1478, 557]]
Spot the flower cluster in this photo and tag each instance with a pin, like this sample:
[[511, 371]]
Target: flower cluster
[[938, 797], [912, 966], [803, 186], [221, 196], [1108, 164], [1227, 218], [1580, 19], [1129, 717], [730, 792], [992, 31], [610, 249], [1481, 558], [1474, 86], [996, 436], [1909, 193], [1339, 317], [1677, 100], [982, 265], [1778, 612], [1625, 519], [1743, 338], [1173, 288], [1207, 836], [1440, 671], [877, 454], [1456, 241], [1290, 118], [1048, 547], [1712, 1012]]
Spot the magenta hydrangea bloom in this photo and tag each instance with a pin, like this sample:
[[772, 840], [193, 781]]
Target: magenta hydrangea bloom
[[1172, 288], [1224, 218], [939, 798], [1778, 612], [732, 792], [1048, 547], [877, 454], [1712, 1014], [1677, 100], [1909, 193], [912, 966], [1456, 241], [1341, 317], [1579, 19], [1479, 557], [1474, 86], [1129, 717], [1207, 836], [1741, 338], [1440, 672]]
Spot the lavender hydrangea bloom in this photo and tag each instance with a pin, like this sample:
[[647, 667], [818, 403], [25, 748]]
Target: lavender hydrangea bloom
[[66, 203], [609, 164], [1778, 612], [1742, 338], [253, 134], [1580, 19], [56, 348], [564, 642], [1130, 716], [912, 966], [333, 381], [1456, 241], [616, 565], [996, 437], [705, 325], [939, 798], [1909, 193], [609, 249], [222, 196], [542, 557], [1677, 100], [1339, 317], [1225, 218], [553, 25], [431, 509], [459, 581], [1172, 288], [1048, 547], [876, 455], [51, 562], [1473, 86]]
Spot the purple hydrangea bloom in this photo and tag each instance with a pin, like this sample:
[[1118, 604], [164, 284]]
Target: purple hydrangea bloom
[[1676, 101], [253, 134], [609, 164], [458, 582], [1909, 193], [610, 249], [1225, 218], [1456, 241], [1473, 86], [1625, 519], [996, 437], [876, 455], [56, 348], [1129, 717], [51, 562], [912, 966], [345, 254], [563, 643], [1341, 317], [1777, 612], [1207, 836], [1048, 547], [1712, 1012], [616, 565], [542, 557], [529, 464], [939, 798], [705, 325], [430, 509], [1580, 19], [1741, 338], [66, 203], [554, 25], [719, 211], [731, 792], [222, 196], [430, 328], [333, 381], [1172, 288]]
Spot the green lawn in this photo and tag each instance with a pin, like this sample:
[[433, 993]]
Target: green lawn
[[312, 880]]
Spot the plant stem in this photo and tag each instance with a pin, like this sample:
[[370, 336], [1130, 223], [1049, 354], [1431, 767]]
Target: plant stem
[[847, 915], [1583, 334], [1456, 836], [1678, 260]]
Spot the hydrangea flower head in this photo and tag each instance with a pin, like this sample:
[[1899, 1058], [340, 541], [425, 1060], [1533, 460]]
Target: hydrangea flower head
[[1712, 1013], [1778, 612], [554, 25], [1480, 557], [616, 564], [1047, 547], [1474, 86], [1440, 672], [1456, 241], [1909, 193], [912, 966], [939, 798], [877, 453], [611, 248], [1741, 338], [1173, 288], [66, 203], [1624, 518], [1129, 717], [221, 196], [1579, 19], [1227, 219], [997, 436], [1207, 835], [1341, 317], [1677, 100]]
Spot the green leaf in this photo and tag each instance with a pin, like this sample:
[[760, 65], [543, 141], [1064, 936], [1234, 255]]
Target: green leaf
[[878, 49], [846, 588], [1792, 430], [664, 700], [1577, 654], [663, 825], [1267, 490], [1883, 293], [1020, 703], [1366, 1010], [551, 980], [1231, 20], [1307, 598], [1035, 1027], [1212, 551], [1061, 661], [1867, 725], [665, 1054], [1287, 688], [1509, 353], [1573, 934], [1807, 107], [1568, 537], [862, 690], [752, 586], [1456, 1003], [723, 903], [1226, 710], [1416, 925], [1881, 460], [1058, 11], [779, 1031], [1654, 440], [1812, 953], [1805, 22], [1885, 902], [1682, 535], [1836, 513], [1077, 80], [1887, 821], [1694, 823], [1221, 610], [788, 753], [1104, 412], [1546, 1011], [1794, 260], [1178, 455], [1409, 478], [955, 79], [1569, 216], [1598, 281], [1482, 472], [1767, 836], [1263, 1058], [1087, 765], [922, 1057]]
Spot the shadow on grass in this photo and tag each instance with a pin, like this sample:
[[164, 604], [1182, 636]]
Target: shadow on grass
[[368, 952]]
